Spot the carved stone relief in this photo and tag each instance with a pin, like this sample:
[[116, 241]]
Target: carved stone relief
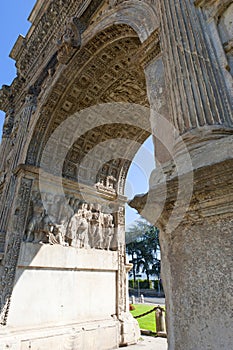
[[69, 40], [13, 246], [69, 222], [107, 184], [8, 123]]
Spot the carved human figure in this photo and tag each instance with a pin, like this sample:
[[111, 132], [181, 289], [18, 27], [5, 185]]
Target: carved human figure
[[54, 207], [59, 232], [71, 234], [100, 184], [108, 230], [88, 211], [33, 231], [111, 183], [96, 228], [34, 227], [88, 214], [82, 232], [69, 39], [84, 228], [8, 123]]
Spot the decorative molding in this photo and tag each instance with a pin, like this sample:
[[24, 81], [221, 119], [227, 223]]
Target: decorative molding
[[116, 78], [34, 52], [212, 197], [149, 50], [6, 98], [69, 40]]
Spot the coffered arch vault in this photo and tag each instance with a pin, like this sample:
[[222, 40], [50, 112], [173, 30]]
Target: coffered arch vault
[[103, 88]]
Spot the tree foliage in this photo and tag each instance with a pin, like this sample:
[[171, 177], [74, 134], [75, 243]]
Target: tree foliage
[[142, 246]]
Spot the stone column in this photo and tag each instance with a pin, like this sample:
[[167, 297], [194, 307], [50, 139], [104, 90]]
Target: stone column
[[191, 196], [196, 85], [196, 245], [195, 251]]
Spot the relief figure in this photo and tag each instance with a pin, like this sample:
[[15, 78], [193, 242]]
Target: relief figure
[[108, 230]]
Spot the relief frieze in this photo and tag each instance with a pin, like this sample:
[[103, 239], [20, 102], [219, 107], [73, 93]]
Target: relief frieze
[[70, 222]]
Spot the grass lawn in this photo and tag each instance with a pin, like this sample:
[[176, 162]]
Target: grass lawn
[[145, 322]]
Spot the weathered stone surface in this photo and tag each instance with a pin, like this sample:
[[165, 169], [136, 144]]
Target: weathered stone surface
[[94, 80], [197, 243]]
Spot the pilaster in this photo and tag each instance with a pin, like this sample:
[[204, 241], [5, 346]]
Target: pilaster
[[19, 213], [15, 138]]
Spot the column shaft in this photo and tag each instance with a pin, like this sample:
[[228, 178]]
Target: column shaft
[[197, 90]]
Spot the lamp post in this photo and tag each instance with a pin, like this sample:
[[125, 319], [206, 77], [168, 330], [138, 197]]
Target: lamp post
[[138, 286]]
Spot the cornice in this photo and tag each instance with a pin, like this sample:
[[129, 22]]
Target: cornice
[[36, 52], [35, 173], [38, 10]]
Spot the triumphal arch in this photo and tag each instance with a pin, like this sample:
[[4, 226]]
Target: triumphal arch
[[94, 80]]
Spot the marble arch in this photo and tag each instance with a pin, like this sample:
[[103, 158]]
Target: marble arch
[[167, 67]]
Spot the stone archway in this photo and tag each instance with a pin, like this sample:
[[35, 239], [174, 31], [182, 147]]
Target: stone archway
[[100, 95], [156, 54]]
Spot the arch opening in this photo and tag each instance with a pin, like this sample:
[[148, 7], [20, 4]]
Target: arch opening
[[107, 99]]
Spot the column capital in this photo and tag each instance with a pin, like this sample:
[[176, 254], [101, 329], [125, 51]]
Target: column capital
[[182, 193]]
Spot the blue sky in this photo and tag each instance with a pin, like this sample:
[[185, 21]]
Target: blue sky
[[13, 22]]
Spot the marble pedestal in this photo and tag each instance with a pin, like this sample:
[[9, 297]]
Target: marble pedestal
[[64, 298]]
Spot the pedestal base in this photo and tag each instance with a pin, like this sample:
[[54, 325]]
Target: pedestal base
[[130, 331], [66, 299], [102, 335]]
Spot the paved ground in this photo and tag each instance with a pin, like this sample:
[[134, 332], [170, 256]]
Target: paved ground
[[154, 300], [150, 300], [149, 343]]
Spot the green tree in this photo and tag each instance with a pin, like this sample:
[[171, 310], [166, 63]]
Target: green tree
[[132, 251], [142, 245]]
